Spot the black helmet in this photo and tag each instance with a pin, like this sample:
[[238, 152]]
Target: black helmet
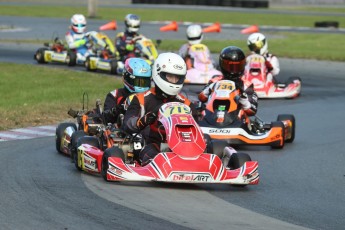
[[231, 62]]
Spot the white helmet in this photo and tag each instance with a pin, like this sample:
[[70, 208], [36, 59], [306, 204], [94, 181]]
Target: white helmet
[[169, 65], [132, 23], [194, 34], [257, 43], [78, 23]]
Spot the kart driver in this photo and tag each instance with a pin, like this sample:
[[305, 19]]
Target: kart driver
[[232, 62], [257, 44], [168, 73], [124, 40], [76, 37], [136, 78], [194, 36]]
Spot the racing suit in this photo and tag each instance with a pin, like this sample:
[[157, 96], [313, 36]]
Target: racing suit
[[154, 134], [124, 44], [272, 65], [185, 54], [114, 104], [248, 99], [78, 42]]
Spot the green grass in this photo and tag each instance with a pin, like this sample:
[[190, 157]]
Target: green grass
[[290, 45], [275, 19], [37, 95]]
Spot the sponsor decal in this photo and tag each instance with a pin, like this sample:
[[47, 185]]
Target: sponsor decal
[[192, 177], [115, 170], [143, 70], [178, 67], [219, 131]]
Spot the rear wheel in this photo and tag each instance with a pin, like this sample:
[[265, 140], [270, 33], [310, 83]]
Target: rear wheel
[[279, 144], [93, 141], [60, 132], [39, 56], [290, 117], [74, 140], [110, 152], [71, 58], [113, 67]]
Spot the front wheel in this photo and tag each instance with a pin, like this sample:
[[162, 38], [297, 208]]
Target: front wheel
[[74, 140], [93, 141], [237, 160], [88, 64], [110, 152], [217, 147]]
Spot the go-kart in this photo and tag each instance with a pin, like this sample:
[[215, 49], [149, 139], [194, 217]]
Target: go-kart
[[90, 149], [223, 119], [143, 48], [104, 58], [88, 122], [56, 52], [264, 84], [202, 69], [183, 159]]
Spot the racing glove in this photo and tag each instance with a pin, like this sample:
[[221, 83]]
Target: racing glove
[[148, 119], [268, 66], [244, 101], [130, 47]]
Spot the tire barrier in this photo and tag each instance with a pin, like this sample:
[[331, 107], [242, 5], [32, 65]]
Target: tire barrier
[[231, 3], [327, 24]]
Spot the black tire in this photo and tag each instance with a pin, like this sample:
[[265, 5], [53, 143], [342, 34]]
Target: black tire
[[74, 140], [110, 152], [327, 24], [237, 160], [39, 56], [84, 140], [113, 67], [216, 147], [278, 145], [290, 117], [59, 132], [88, 64], [71, 58]]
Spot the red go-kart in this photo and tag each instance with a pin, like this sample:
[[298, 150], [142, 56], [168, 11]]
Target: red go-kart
[[184, 160], [265, 84]]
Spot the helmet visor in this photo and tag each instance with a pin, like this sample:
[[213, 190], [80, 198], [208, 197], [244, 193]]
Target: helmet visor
[[141, 81], [79, 26], [173, 78], [257, 46], [233, 66], [194, 38]]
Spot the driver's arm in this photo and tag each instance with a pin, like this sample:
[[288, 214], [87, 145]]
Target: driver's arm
[[133, 113]]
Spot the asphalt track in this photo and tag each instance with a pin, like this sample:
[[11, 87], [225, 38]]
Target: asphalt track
[[302, 186]]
